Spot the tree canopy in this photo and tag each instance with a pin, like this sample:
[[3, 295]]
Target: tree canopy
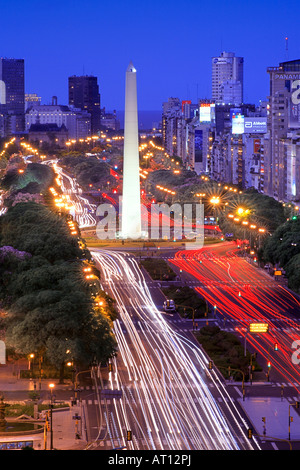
[[48, 302]]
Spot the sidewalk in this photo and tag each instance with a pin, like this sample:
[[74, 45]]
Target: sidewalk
[[270, 417], [66, 428]]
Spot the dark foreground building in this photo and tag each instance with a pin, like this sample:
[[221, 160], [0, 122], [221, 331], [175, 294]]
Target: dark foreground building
[[12, 95], [84, 94]]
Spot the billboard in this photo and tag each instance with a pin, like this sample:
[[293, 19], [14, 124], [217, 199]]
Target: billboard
[[294, 112], [198, 145], [291, 82], [259, 327], [238, 125], [205, 112], [255, 125]]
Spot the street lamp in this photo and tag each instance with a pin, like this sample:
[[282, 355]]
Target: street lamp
[[200, 195], [215, 200], [51, 386]]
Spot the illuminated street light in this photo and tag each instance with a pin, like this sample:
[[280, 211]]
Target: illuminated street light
[[215, 200]]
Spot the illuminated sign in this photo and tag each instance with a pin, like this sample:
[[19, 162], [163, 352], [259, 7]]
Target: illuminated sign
[[294, 114], [259, 327], [205, 112], [238, 123], [277, 273], [255, 125], [256, 145], [292, 84], [184, 102]]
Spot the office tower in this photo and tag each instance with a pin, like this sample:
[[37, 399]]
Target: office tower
[[131, 201], [12, 94], [171, 113], [283, 119], [227, 78], [84, 94]]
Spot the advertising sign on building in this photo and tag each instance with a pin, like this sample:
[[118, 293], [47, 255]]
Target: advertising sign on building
[[205, 112], [292, 84], [238, 123], [294, 112], [255, 125], [198, 145]]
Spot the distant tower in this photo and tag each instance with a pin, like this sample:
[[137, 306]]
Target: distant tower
[[227, 70], [131, 202], [84, 94]]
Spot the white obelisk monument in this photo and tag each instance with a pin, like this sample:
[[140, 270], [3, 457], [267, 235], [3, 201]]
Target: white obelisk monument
[[131, 200]]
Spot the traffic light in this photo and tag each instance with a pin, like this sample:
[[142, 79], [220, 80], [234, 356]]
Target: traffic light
[[269, 364], [129, 436], [249, 433], [263, 419], [210, 365], [297, 404], [276, 347]]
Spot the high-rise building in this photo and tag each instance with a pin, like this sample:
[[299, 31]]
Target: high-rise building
[[227, 78], [283, 117], [171, 112], [12, 94], [84, 94]]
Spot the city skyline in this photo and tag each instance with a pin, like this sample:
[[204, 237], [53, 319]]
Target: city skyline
[[173, 53]]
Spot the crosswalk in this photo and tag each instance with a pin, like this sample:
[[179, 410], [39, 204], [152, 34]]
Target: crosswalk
[[210, 284], [228, 325], [236, 385]]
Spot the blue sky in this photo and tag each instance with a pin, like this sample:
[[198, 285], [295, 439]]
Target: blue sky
[[170, 43]]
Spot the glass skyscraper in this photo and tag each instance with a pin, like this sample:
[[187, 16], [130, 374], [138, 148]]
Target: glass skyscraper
[[84, 94], [12, 94]]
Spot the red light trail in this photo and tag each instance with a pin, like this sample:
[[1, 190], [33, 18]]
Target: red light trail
[[243, 293]]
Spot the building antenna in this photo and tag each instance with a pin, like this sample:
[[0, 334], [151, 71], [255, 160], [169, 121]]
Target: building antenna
[[286, 48]]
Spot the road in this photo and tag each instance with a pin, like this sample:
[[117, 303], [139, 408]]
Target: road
[[81, 209], [242, 293], [170, 400]]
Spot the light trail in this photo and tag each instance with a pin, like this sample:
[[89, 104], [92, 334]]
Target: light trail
[[83, 211], [165, 372], [241, 292]]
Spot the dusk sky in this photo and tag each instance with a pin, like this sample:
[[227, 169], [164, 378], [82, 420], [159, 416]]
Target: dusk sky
[[169, 42]]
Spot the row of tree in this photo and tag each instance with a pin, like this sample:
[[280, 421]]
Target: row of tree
[[88, 170], [45, 296], [282, 249], [26, 183]]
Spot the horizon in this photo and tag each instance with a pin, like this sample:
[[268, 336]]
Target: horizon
[[182, 69]]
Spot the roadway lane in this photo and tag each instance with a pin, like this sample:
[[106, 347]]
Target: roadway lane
[[82, 210], [245, 294], [170, 399]]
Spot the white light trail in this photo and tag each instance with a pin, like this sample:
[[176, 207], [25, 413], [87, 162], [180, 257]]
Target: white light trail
[[165, 371]]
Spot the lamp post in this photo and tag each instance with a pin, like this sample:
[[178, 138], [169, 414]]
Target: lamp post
[[51, 386]]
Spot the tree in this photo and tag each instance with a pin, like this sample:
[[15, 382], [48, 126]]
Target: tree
[[49, 306]]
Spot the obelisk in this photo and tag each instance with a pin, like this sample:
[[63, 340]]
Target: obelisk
[[131, 200]]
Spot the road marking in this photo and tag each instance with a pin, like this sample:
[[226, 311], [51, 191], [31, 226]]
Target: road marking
[[238, 390], [274, 445]]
